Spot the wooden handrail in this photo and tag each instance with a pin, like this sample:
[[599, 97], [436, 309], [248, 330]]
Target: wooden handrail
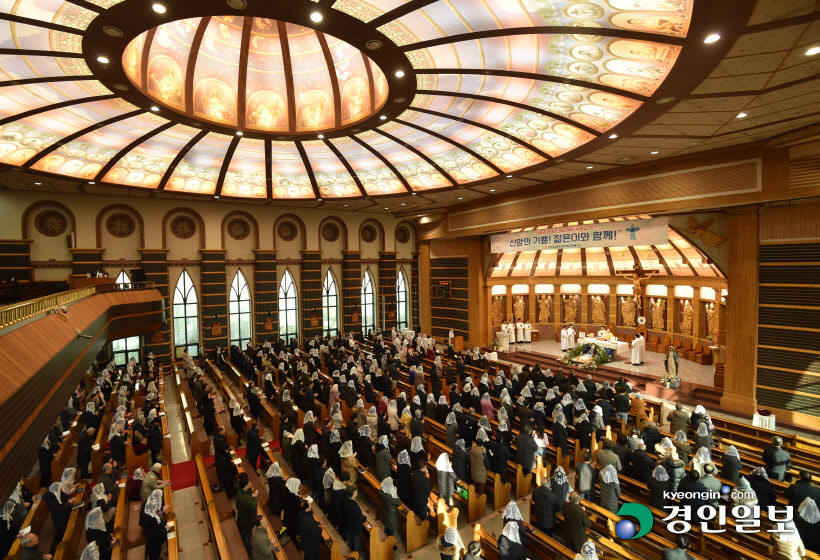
[[17, 312]]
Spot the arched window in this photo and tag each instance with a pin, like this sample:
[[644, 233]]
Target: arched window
[[239, 311], [330, 306], [288, 315], [186, 316], [122, 279], [368, 304], [401, 302]]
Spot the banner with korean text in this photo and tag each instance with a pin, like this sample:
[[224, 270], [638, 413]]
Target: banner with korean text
[[611, 234]]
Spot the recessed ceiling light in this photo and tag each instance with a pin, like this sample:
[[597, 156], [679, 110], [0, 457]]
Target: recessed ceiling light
[[589, 166], [91, 183], [414, 194], [38, 183], [120, 87], [216, 196], [239, 133], [319, 199], [742, 114], [813, 51], [321, 136], [613, 136], [653, 153], [665, 100], [102, 59], [400, 73], [345, 204], [373, 44], [403, 203], [418, 215], [399, 99], [492, 190], [713, 38], [509, 176], [158, 8], [386, 208], [461, 198], [112, 31], [154, 108], [383, 118], [316, 17]]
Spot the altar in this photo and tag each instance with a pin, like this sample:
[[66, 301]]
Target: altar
[[618, 347]]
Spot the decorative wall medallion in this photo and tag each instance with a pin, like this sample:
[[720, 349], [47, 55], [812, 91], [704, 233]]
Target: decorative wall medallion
[[183, 227], [287, 231], [330, 232], [120, 225], [239, 229], [369, 234], [51, 223], [402, 235], [157, 338]]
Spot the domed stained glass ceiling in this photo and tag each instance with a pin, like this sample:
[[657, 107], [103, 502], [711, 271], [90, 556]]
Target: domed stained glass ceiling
[[267, 104]]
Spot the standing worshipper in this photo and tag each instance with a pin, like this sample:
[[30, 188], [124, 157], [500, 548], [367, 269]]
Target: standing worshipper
[[276, 489], [383, 459], [449, 544], [446, 478], [404, 478], [254, 445], [84, 445], [421, 490], [60, 507], [153, 525], [658, 485], [610, 489], [310, 531], [545, 506], [246, 503], [96, 532], [509, 543], [807, 520], [390, 503], [576, 522], [527, 332]]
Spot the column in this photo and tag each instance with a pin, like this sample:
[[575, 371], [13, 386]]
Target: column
[[86, 261], [741, 314], [352, 291], [387, 287], [15, 260], [311, 294], [583, 309], [155, 264], [214, 318], [414, 293], [266, 296]]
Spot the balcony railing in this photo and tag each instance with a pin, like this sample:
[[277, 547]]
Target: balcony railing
[[25, 309]]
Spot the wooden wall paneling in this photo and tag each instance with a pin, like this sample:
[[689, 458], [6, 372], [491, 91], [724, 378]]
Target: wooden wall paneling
[[155, 264], [414, 291], [741, 320], [352, 291], [15, 260], [213, 308], [311, 294], [425, 323], [266, 296], [453, 312], [86, 261], [387, 288]]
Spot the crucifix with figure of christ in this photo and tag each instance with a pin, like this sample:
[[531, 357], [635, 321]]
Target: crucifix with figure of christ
[[637, 274]]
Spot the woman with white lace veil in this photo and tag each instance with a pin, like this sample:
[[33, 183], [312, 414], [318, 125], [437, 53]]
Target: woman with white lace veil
[[658, 484], [588, 552], [153, 525], [702, 458], [807, 520], [446, 478], [610, 488], [449, 544], [95, 531], [510, 546]]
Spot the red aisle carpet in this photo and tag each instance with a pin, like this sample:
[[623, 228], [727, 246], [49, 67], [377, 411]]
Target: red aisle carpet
[[183, 475]]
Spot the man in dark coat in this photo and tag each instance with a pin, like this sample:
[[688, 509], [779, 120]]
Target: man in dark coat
[[60, 509], [246, 502], [777, 460], [254, 447], [691, 484], [29, 549], [651, 436], [499, 457], [525, 450], [225, 470], [545, 505], [585, 478], [354, 521], [576, 522], [310, 531], [421, 490], [640, 465], [84, 444], [801, 490]]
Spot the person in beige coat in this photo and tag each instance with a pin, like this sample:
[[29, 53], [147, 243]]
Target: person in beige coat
[[788, 545], [678, 419]]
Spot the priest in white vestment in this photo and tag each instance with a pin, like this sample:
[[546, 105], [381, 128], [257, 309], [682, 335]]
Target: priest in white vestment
[[643, 348], [527, 332], [509, 329], [519, 331], [601, 332], [570, 338], [564, 339], [638, 349]]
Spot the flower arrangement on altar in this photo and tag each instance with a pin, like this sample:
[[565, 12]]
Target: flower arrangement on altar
[[671, 381], [585, 356]]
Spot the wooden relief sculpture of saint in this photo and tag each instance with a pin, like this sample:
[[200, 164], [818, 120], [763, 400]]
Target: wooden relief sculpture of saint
[[268, 324], [598, 311], [628, 312], [570, 310], [687, 318], [544, 309], [710, 319], [497, 311], [658, 322], [518, 309]]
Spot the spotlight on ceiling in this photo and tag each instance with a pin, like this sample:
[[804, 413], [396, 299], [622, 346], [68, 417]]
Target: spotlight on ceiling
[[159, 8], [613, 136], [461, 198], [414, 194], [403, 203], [112, 31], [38, 183], [239, 133], [492, 190], [742, 114], [589, 166], [400, 73], [92, 183], [383, 118], [320, 136], [713, 38], [216, 196], [813, 51], [509, 176], [399, 99], [237, 4], [386, 208], [653, 153], [315, 17], [154, 108], [102, 59]]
